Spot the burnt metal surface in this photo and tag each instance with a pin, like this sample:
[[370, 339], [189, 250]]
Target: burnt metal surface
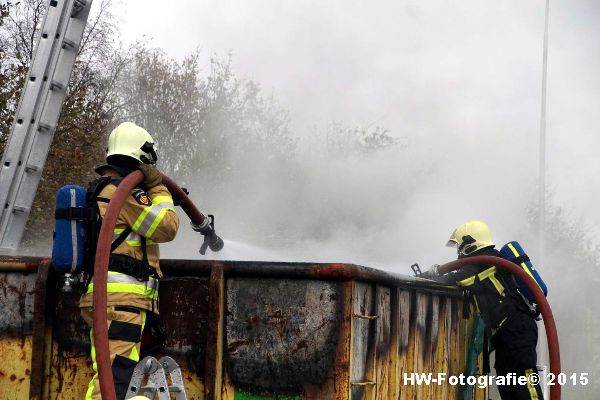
[[292, 270], [281, 334], [184, 316], [363, 331], [296, 270], [213, 377], [17, 292], [39, 328], [16, 303], [70, 361], [383, 345], [70, 331]]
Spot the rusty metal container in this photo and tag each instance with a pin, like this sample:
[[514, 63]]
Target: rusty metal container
[[248, 330]]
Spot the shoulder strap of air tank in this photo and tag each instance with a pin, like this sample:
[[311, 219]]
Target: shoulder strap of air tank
[[144, 251], [117, 242], [96, 186]]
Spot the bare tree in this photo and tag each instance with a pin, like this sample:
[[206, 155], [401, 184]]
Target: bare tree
[[346, 141], [88, 109], [201, 122], [160, 94]]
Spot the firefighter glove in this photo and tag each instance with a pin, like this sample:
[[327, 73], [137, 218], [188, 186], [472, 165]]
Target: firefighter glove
[[152, 176]]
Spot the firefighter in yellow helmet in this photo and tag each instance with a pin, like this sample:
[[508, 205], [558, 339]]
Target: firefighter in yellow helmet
[[146, 219], [510, 324]]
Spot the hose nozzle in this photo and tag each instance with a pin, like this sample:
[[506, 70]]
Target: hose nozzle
[[211, 241]]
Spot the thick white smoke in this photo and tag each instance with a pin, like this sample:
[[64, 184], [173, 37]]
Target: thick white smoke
[[459, 84]]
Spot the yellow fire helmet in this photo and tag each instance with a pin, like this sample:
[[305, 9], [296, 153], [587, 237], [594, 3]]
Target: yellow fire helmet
[[470, 237], [133, 141]]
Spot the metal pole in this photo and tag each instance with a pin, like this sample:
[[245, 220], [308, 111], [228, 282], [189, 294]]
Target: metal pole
[[542, 349], [542, 157]]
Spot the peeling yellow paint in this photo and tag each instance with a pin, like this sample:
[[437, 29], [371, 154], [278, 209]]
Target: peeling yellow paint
[[15, 368]]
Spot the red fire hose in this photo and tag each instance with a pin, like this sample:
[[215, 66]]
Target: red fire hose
[[100, 324], [543, 306]]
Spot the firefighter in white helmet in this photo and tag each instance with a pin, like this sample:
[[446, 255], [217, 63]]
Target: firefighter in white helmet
[[146, 219], [509, 323]]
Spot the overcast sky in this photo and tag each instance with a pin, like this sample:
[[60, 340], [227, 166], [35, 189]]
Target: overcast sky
[[435, 72], [394, 63]]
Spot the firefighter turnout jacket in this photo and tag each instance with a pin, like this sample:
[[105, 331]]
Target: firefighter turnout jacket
[[494, 291], [510, 325], [150, 217]]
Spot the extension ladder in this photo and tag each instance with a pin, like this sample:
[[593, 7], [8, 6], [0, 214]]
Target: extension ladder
[[37, 114]]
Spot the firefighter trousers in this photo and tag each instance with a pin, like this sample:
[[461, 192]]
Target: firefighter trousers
[[125, 326], [515, 345]]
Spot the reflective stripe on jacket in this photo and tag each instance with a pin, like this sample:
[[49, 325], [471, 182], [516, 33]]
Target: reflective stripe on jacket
[[494, 292], [150, 214], [122, 283], [491, 274]]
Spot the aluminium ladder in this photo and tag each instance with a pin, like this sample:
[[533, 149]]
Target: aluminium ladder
[[151, 379], [37, 114]]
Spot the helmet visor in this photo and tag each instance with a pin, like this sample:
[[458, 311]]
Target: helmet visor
[[150, 150]]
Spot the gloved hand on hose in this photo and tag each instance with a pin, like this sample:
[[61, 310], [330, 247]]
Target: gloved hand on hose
[[205, 228], [152, 176], [431, 273]]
